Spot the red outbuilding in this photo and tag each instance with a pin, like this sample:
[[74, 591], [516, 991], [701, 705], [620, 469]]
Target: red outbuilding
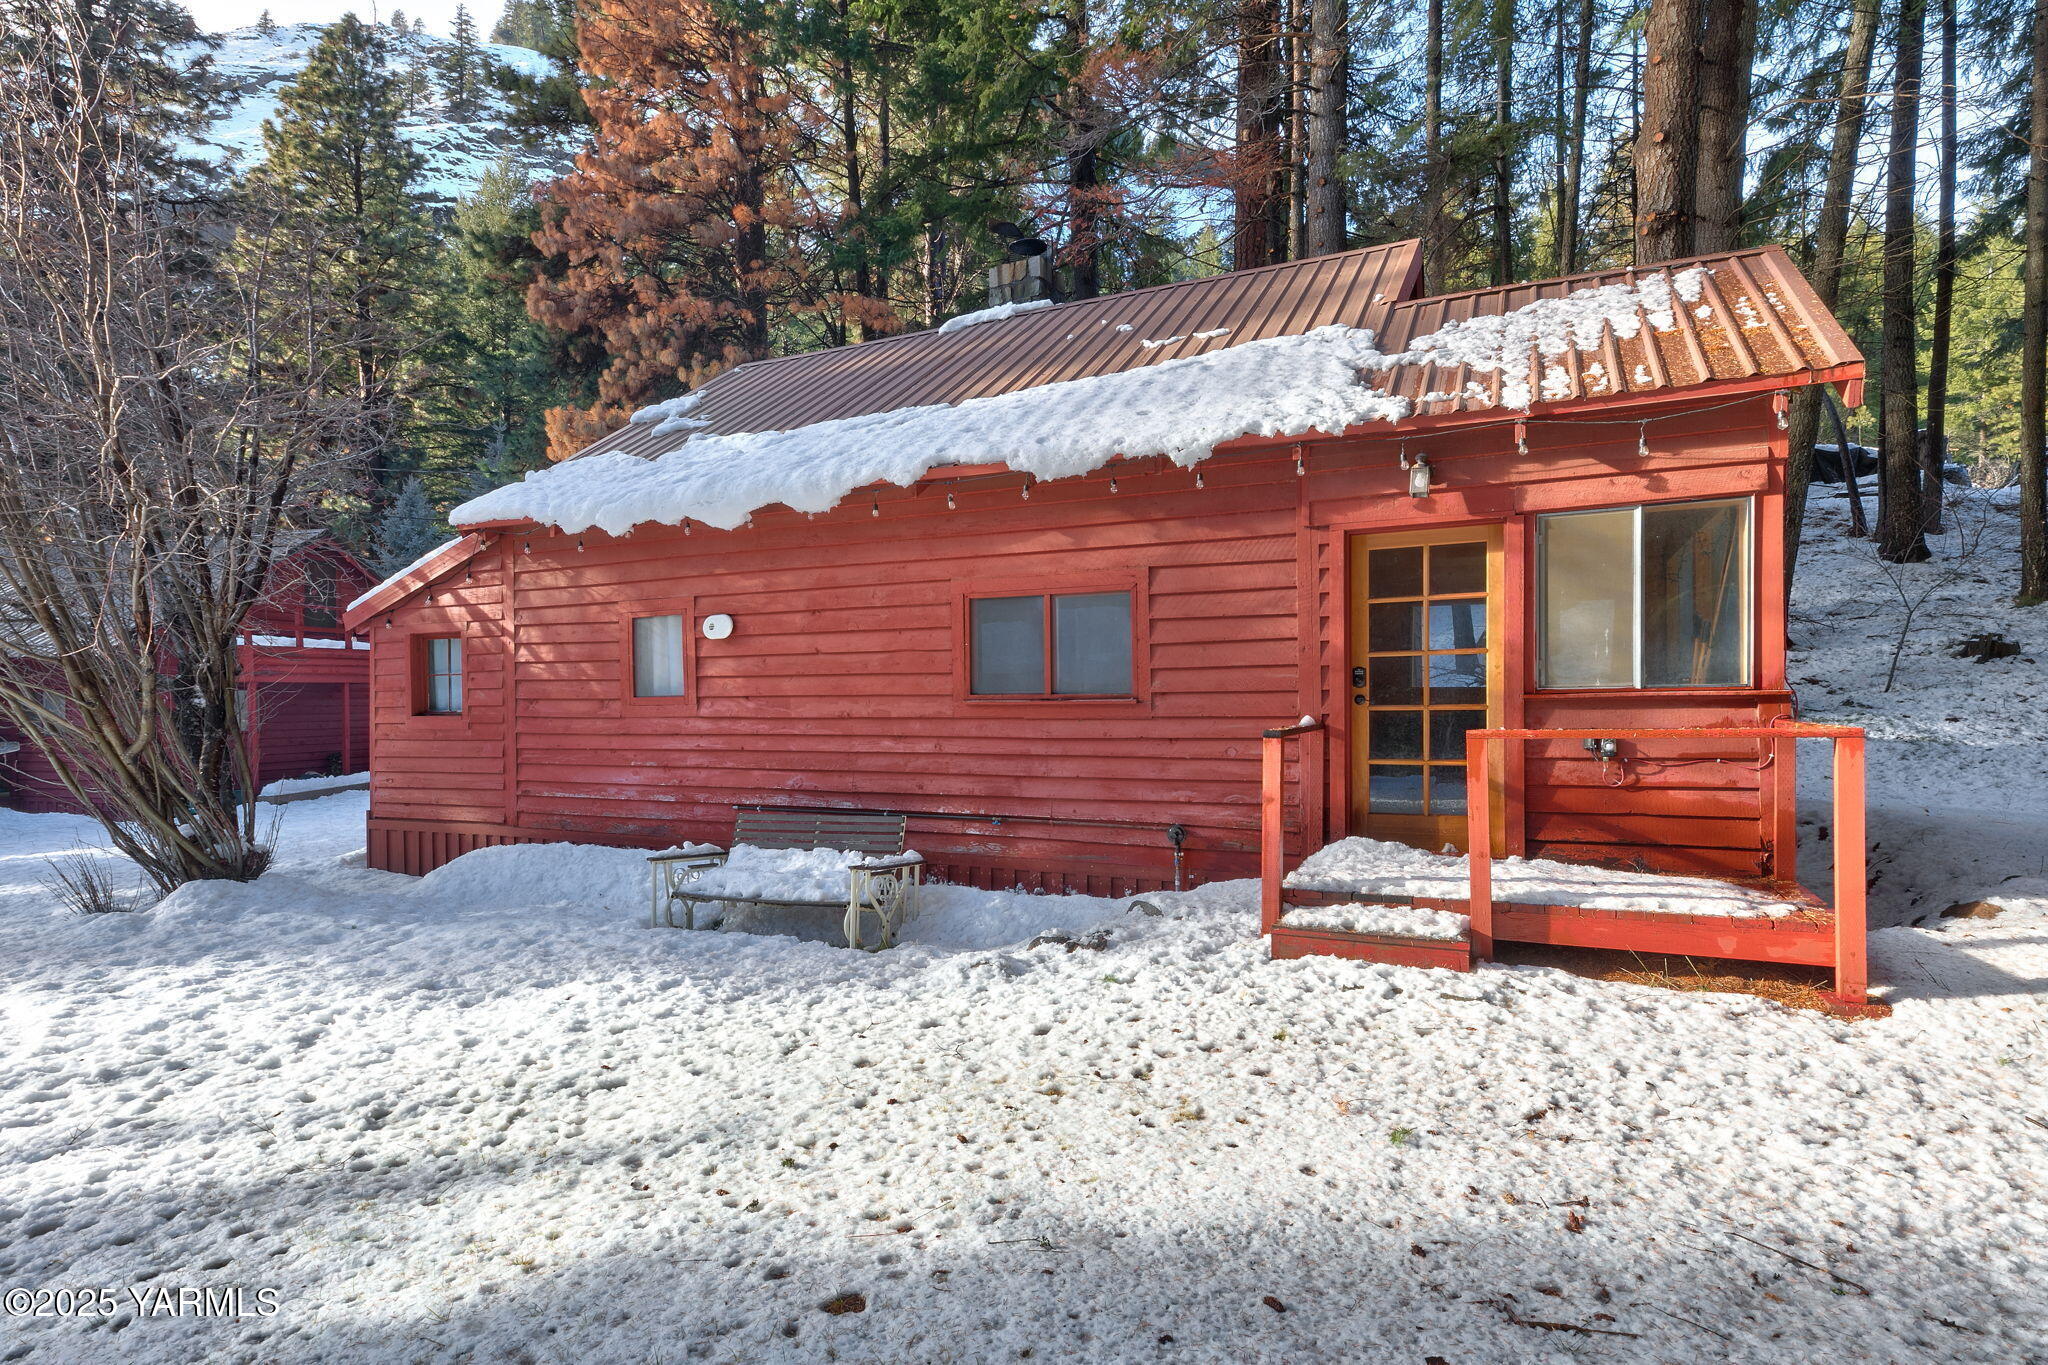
[[1057, 584], [305, 680]]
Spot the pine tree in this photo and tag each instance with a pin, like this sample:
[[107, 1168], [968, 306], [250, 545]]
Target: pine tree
[[265, 25], [1900, 536], [164, 97], [398, 23], [461, 67], [2033, 458], [408, 528], [543, 108], [336, 203], [484, 424], [677, 226]]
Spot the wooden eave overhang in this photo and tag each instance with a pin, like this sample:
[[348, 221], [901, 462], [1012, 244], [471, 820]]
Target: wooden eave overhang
[[391, 592]]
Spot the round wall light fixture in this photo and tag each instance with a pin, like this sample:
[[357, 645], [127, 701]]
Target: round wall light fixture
[[717, 627]]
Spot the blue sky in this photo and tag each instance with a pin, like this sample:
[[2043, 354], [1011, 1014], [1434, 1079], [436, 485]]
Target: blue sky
[[218, 15]]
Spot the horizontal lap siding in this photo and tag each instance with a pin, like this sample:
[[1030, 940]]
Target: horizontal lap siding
[[31, 779], [837, 687], [299, 729], [440, 768], [1660, 810]]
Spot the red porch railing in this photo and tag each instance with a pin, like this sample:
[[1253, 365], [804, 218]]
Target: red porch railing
[[1273, 815], [1851, 969]]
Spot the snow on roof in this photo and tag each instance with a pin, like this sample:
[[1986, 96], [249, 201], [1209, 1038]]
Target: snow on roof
[[410, 568], [995, 314], [1182, 409]]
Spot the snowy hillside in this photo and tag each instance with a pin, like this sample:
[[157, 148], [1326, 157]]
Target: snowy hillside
[[255, 68]]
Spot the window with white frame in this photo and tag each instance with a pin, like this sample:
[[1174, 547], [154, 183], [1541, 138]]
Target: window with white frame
[[1652, 596], [658, 655]]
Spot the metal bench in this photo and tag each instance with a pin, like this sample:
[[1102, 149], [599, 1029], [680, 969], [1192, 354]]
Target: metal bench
[[884, 884]]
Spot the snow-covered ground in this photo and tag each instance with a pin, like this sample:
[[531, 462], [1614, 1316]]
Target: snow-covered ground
[[489, 1114], [458, 151], [1958, 749], [301, 786]]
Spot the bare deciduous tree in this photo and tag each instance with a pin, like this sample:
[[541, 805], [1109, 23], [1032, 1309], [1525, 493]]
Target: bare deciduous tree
[[162, 427]]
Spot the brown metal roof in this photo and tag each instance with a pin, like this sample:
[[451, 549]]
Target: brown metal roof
[[1106, 335], [1755, 318]]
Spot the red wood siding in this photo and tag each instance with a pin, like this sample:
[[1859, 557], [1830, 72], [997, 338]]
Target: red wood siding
[[279, 611], [299, 729], [838, 685], [1674, 809], [299, 710]]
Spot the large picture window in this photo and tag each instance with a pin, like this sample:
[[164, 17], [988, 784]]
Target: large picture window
[[1655, 596], [1050, 645]]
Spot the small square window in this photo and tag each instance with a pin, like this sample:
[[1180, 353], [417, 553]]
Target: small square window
[[441, 675], [658, 656]]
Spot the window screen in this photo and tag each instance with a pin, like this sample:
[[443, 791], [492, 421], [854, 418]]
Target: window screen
[[1091, 647], [1008, 645], [444, 675], [1645, 596], [1087, 652], [658, 656]]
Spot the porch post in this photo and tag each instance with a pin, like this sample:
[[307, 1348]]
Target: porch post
[[1479, 837], [1852, 975], [1272, 828]]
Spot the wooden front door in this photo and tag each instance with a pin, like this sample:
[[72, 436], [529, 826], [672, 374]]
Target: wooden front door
[[1424, 669]]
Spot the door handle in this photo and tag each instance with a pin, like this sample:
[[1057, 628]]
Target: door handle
[[1358, 675]]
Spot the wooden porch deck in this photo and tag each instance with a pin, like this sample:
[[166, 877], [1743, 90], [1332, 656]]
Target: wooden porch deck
[[1806, 937], [1814, 934]]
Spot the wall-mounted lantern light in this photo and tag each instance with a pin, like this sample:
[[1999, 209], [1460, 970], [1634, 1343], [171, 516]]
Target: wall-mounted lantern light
[[1418, 477]]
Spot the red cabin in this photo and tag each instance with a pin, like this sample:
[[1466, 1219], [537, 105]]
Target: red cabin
[[1540, 525], [304, 678]]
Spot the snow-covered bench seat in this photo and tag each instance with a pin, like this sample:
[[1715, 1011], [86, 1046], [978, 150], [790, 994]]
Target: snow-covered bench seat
[[849, 861]]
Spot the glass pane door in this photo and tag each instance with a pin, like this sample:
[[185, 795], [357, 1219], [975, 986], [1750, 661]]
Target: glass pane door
[[1420, 680]]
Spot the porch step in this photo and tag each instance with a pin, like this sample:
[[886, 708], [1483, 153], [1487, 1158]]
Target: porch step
[[1296, 941], [1370, 943]]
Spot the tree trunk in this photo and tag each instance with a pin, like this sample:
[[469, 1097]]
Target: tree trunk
[[1899, 537], [1329, 48], [1435, 255], [849, 143], [1831, 237], [1084, 175], [1260, 207], [1667, 142], [1294, 50], [1726, 54], [1934, 447], [2033, 468], [1575, 145], [1503, 141]]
